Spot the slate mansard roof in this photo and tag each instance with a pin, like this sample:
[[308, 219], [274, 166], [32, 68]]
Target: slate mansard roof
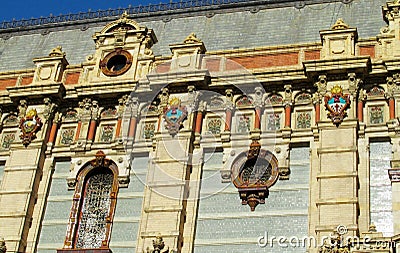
[[242, 24]]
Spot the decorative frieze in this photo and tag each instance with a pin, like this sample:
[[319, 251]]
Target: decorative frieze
[[8, 138], [376, 91], [67, 135], [376, 114], [215, 103], [71, 115], [109, 113], [275, 99], [148, 130], [274, 121], [303, 98], [214, 125], [243, 123], [10, 120], [244, 101], [106, 133], [303, 119]]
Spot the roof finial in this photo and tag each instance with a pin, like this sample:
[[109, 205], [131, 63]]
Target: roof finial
[[372, 228], [339, 25], [57, 51], [191, 39], [124, 15]]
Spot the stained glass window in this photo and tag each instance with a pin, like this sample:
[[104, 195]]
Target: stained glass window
[[94, 212]]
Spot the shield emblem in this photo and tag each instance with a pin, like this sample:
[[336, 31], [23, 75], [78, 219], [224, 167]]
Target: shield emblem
[[174, 115], [337, 104], [29, 126]]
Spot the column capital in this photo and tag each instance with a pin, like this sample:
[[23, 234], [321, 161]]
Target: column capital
[[49, 108], [321, 85], [22, 107], [163, 97], [229, 99], [258, 97], [354, 84]]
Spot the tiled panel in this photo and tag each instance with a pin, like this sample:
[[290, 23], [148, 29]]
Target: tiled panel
[[57, 210], [128, 209], [225, 225], [380, 187]]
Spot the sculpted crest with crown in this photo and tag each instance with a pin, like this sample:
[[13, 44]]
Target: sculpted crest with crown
[[29, 126], [174, 114], [337, 104]]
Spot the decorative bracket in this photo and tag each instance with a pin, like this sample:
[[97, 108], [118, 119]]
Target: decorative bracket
[[253, 172]]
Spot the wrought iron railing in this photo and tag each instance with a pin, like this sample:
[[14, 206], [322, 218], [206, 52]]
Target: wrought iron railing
[[151, 8]]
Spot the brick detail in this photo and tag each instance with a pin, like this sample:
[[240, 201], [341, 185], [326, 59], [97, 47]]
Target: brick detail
[[262, 61], [163, 68], [72, 78], [312, 55], [4, 83], [368, 50], [26, 80], [213, 64]]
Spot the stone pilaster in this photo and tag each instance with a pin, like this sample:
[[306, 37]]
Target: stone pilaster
[[19, 193], [337, 180], [172, 169]]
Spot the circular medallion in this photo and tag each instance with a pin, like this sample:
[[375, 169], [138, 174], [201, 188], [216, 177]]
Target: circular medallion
[[259, 171], [116, 63]]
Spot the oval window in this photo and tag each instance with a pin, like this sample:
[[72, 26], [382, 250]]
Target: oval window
[[116, 63]]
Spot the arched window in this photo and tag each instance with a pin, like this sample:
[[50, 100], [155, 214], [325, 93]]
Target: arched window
[[93, 206]]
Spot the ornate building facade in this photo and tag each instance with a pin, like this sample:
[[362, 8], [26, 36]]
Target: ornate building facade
[[198, 126]]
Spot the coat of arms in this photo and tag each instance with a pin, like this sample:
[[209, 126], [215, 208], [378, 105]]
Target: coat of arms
[[174, 114], [337, 103], [29, 126]]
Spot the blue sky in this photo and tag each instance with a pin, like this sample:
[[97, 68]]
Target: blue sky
[[26, 9]]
